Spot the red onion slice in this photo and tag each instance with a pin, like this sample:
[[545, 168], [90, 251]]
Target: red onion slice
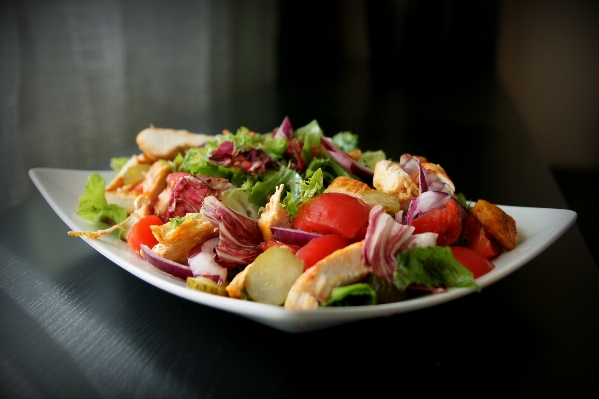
[[347, 162], [166, 265], [424, 203], [293, 236]]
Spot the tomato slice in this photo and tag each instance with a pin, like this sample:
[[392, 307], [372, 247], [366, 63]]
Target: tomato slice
[[141, 233], [472, 260], [333, 213], [446, 222], [319, 247], [478, 239]]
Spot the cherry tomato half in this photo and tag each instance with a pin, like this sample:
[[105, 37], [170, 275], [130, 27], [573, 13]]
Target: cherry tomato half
[[319, 247], [141, 233], [479, 240], [335, 213], [446, 222], [472, 260]]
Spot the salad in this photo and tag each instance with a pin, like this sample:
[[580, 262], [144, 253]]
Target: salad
[[295, 218]]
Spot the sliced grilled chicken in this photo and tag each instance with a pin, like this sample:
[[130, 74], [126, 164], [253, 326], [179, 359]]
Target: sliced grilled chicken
[[159, 143], [274, 215], [498, 223], [391, 178], [315, 285], [176, 244]]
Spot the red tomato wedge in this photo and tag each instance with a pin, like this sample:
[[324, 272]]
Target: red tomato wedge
[[472, 260], [141, 233], [446, 222], [479, 240], [333, 213], [319, 247]]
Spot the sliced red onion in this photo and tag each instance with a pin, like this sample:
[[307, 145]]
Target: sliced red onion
[[428, 201], [293, 236], [416, 171], [166, 265], [202, 261], [346, 161], [424, 203]]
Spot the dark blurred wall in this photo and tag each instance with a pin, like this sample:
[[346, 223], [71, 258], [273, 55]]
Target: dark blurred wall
[[80, 78]]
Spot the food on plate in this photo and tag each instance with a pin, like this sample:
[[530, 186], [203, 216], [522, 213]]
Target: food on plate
[[295, 218]]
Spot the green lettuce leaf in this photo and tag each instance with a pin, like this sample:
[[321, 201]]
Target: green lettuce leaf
[[370, 158], [310, 134], [117, 163], [359, 294], [431, 267], [260, 190], [301, 192], [346, 141], [93, 206]]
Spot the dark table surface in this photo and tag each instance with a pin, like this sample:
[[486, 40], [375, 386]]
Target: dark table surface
[[74, 324]]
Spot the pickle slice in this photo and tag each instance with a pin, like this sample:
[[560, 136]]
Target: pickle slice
[[207, 285]]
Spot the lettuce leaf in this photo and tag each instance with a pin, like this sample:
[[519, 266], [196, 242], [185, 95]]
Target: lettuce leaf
[[310, 134], [93, 206], [262, 189], [431, 267], [302, 191], [359, 294], [346, 141]]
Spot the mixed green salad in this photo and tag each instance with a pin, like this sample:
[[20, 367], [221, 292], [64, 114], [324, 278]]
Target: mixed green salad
[[295, 218]]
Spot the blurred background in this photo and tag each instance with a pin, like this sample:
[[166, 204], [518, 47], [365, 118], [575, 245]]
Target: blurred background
[[79, 79]]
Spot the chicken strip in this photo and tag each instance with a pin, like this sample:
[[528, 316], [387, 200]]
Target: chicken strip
[[274, 215], [157, 143], [391, 178], [153, 185], [315, 286], [175, 244], [498, 223]]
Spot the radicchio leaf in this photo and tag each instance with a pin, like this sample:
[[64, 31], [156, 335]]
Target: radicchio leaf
[[239, 235], [253, 161], [383, 240], [285, 131], [189, 192]]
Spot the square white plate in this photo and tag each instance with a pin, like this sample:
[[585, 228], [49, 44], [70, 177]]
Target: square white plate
[[537, 229]]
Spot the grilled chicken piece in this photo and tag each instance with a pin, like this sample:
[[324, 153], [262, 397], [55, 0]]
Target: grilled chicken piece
[[315, 285], [153, 185], [136, 165], [346, 185], [498, 223], [122, 198], [236, 286], [158, 143], [274, 215], [176, 244], [436, 173], [391, 178]]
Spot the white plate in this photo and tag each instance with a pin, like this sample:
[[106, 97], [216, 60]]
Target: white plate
[[537, 229]]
